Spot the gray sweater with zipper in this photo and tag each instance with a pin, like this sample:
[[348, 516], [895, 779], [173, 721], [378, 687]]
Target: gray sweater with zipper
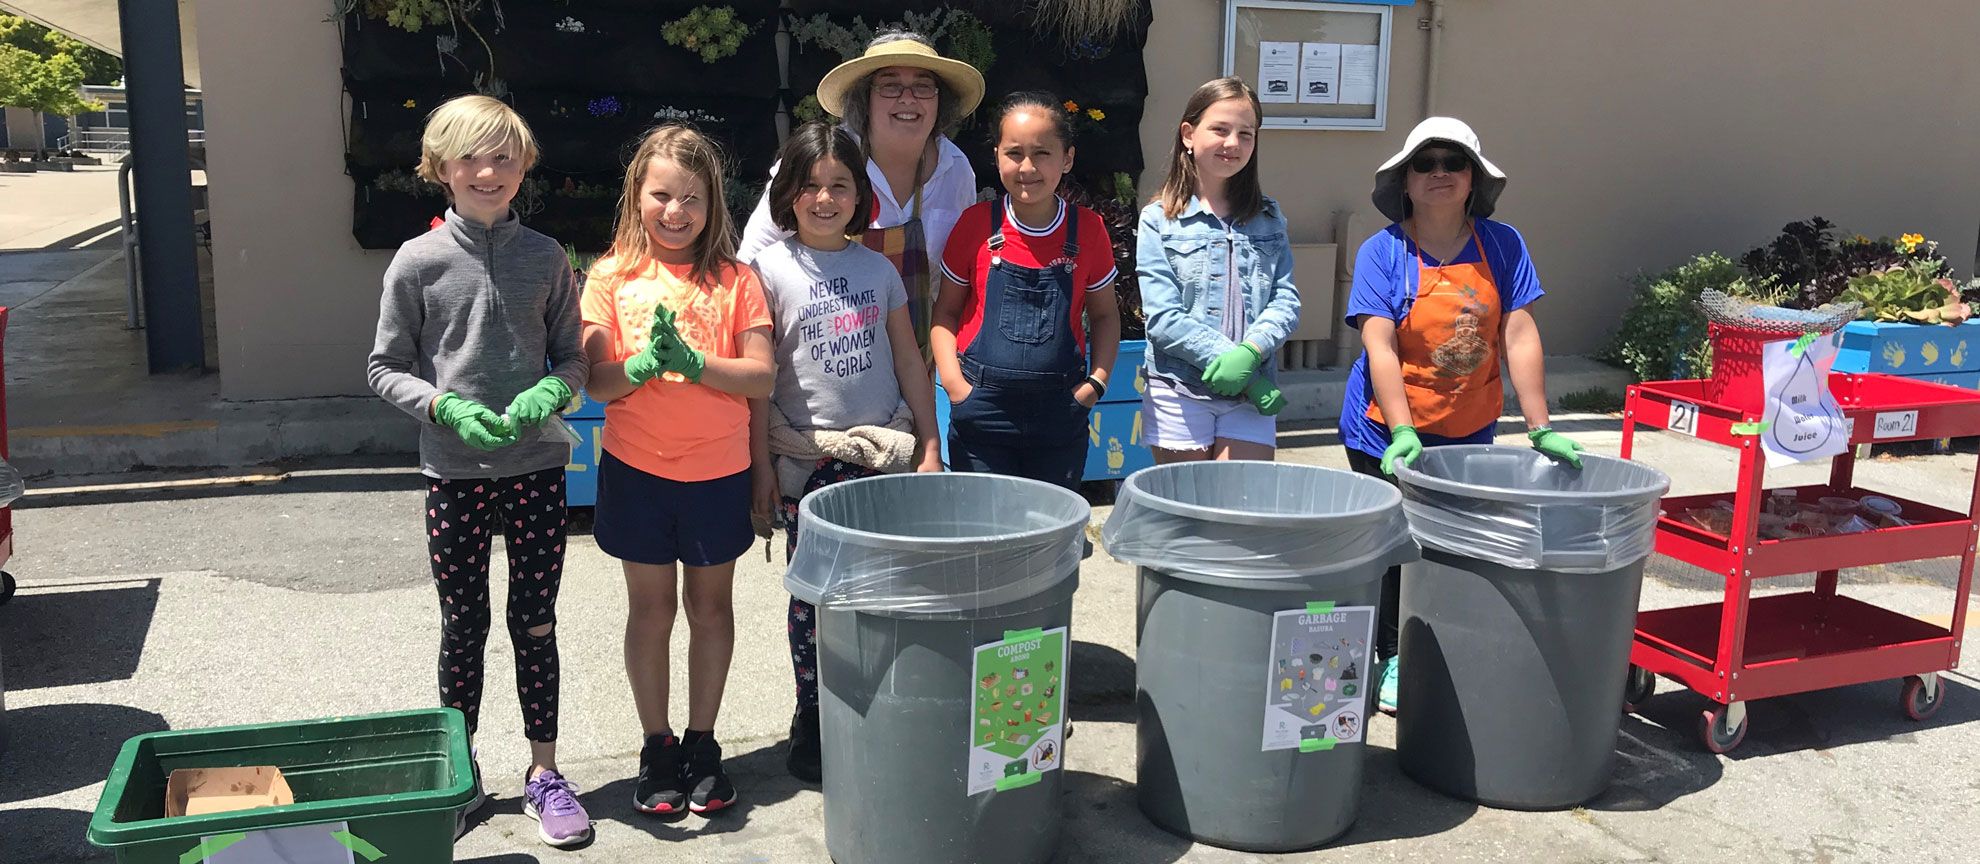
[[477, 311]]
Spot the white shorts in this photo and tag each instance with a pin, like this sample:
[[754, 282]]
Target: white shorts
[[1177, 421]]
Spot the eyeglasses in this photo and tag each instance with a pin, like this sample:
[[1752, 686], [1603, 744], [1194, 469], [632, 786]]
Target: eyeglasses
[[894, 89], [1451, 163]]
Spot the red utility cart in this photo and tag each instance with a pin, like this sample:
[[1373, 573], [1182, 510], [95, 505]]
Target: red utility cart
[[1752, 648]]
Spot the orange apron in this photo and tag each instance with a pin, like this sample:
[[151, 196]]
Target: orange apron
[[1448, 343]]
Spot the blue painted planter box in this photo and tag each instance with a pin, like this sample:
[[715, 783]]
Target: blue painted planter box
[[1932, 352], [1113, 431]]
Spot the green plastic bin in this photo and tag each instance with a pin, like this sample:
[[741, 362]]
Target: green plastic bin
[[382, 786]]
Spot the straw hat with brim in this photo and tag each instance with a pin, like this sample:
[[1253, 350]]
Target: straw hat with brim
[[1487, 181], [961, 77]]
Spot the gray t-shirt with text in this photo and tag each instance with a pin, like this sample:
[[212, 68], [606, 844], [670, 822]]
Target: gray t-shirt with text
[[835, 364]]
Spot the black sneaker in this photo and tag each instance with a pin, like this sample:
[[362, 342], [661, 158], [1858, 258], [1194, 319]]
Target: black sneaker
[[709, 789], [660, 788], [803, 760]]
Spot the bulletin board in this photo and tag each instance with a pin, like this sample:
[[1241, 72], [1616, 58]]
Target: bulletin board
[[1314, 65]]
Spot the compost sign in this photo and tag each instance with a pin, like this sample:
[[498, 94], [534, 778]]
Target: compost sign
[[1018, 732], [1316, 689]]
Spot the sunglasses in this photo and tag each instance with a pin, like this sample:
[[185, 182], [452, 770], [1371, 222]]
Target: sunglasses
[[1452, 163]]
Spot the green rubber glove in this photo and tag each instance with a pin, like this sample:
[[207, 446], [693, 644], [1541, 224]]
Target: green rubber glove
[[1266, 396], [1404, 447], [536, 404], [1227, 375], [665, 351], [479, 427], [1554, 444]]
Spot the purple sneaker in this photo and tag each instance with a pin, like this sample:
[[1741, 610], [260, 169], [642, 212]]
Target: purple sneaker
[[552, 802]]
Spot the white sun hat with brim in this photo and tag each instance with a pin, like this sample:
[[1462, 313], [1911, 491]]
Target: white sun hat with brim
[[1487, 181], [959, 76]]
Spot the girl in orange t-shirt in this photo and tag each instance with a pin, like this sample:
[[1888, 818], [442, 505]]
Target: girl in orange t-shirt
[[679, 338]]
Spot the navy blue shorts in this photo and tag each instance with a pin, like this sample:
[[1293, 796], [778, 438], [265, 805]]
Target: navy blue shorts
[[652, 520]]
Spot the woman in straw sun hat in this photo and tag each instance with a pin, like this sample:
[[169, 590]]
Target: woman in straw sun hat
[[900, 100], [1441, 296]]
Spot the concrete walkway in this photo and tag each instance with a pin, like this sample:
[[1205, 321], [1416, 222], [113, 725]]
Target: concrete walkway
[[201, 605]]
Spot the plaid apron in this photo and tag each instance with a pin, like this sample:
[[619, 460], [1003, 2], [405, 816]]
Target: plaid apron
[[906, 247]]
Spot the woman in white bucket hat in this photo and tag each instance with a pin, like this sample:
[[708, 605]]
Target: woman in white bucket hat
[[1441, 296]]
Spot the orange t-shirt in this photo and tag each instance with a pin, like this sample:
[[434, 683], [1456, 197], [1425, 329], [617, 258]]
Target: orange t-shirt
[[669, 427]]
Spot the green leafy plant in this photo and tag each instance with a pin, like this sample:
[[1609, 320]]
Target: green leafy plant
[[714, 32], [411, 16], [578, 189], [962, 35], [97, 67], [1912, 291], [1814, 262], [969, 41], [808, 109], [406, 183], [1664, 335]]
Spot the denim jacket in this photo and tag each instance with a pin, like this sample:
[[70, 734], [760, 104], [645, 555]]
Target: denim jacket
[[1184, 267]]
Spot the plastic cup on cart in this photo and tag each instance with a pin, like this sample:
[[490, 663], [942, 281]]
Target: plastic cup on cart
[[944, 615], [1254, 674], [1517, 622]]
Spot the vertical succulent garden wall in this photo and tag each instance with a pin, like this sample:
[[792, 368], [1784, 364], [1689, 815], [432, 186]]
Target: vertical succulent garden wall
[[591, 75]]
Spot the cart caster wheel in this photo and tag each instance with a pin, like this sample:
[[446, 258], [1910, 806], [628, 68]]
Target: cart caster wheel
[[1922, 698], [6, 587], [1641, 683], [1722, 728]]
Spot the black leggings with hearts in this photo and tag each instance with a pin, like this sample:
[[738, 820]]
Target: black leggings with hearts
[[463, 518]]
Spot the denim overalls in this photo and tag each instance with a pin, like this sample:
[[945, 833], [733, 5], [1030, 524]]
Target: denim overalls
[[1020, 417]]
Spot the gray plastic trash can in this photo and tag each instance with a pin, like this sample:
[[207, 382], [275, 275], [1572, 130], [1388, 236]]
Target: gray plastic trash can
[[944, 607], [1258, 591], [1517, 623]]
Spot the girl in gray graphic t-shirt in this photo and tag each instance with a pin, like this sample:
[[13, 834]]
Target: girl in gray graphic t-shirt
[[853, 398]]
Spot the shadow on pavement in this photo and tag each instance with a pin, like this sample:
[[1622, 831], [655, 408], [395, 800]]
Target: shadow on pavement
[[1103, 823], [507, 858], [1103, 691], [56, 748], [1394, 807], [82, 634], [1657, 764], [41, 835], [758, 775]]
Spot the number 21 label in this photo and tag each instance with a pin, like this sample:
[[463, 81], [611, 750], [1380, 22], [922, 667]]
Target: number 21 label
[[1684, 418]]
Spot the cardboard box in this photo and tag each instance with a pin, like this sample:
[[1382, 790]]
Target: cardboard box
[[196, 791]]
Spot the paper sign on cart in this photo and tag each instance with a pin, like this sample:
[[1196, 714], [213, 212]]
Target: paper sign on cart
[[1802, 420], [1896, 424], [1317, 677]]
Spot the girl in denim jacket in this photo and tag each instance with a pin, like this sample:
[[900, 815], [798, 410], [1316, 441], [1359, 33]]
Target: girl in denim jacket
[[1216, 275]]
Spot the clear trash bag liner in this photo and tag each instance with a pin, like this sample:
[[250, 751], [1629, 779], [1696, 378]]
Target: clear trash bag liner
[[1256, 520], [1521, 508], [937, 545], [12, 487]]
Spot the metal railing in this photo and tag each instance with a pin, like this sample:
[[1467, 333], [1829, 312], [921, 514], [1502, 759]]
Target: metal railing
[[112, 140]]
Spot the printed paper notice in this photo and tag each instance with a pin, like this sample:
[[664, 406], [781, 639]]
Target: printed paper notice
[[1359, 66], [1278, 71], [1316, 691], [1801, 420], [1320, 72], [1019, 733]]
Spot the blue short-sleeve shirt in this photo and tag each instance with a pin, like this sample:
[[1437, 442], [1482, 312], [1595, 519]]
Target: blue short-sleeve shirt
[[1385, 285]]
